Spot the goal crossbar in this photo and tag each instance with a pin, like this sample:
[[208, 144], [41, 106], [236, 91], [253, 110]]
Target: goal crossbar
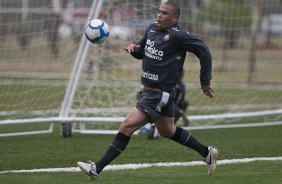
[[84, 120], [119, 119]]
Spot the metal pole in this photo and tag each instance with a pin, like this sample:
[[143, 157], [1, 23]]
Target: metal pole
[[25, 4], [72, 85], [254, 28]]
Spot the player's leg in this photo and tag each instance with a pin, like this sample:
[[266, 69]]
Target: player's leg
[[177, 113], [167, 129], [133, 121], [184, 107], [165, 126], [185, 120]]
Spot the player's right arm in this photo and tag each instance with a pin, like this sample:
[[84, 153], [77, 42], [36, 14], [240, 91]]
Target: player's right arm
[[137, 50], [132, 48]]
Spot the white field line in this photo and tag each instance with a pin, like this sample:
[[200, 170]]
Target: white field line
[[146, 165]]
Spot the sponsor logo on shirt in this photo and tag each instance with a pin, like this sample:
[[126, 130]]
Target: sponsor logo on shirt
[[149, 75], [152, 52]]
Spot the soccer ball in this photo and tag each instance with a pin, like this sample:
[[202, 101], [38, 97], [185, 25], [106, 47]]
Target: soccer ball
[[97, 31]]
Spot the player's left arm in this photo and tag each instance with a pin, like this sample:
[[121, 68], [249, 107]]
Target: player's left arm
[[195, 45]]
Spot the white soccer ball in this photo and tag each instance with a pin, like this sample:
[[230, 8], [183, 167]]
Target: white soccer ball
[[97, 31]]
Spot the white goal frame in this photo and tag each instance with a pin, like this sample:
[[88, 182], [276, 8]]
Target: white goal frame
[[71, 88], [83, 130]]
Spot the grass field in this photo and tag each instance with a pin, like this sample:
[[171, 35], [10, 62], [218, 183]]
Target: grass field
[[33, 84], [34, 81], [53, 151]]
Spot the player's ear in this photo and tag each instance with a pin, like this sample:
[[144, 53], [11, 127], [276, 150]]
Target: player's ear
[[175, 18]]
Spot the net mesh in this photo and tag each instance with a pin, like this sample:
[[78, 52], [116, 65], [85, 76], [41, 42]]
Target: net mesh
[[39, 42]]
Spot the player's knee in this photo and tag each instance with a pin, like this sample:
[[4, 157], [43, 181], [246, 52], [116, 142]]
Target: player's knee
[[126, 128], [166, 134]]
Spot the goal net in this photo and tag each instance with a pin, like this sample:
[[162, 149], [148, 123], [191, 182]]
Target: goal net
[[50, 73]]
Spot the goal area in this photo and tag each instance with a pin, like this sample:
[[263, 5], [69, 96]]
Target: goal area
[[50, 73]]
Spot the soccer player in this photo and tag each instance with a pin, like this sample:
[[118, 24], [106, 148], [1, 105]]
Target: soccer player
[[162, 50]]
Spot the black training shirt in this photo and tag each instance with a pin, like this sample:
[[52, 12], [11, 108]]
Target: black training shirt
[[163, 53]]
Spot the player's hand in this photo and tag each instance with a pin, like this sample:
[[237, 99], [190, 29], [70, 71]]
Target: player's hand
[[132, 48], [208, 91]]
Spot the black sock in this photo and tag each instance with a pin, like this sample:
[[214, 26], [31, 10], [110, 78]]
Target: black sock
[[116, 148], [185, 138]]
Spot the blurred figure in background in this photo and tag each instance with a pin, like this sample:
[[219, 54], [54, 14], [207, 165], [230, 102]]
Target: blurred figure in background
[[181, 104]]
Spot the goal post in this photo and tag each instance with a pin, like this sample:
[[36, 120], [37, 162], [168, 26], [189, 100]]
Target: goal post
[[49, 73], [76, 71]]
